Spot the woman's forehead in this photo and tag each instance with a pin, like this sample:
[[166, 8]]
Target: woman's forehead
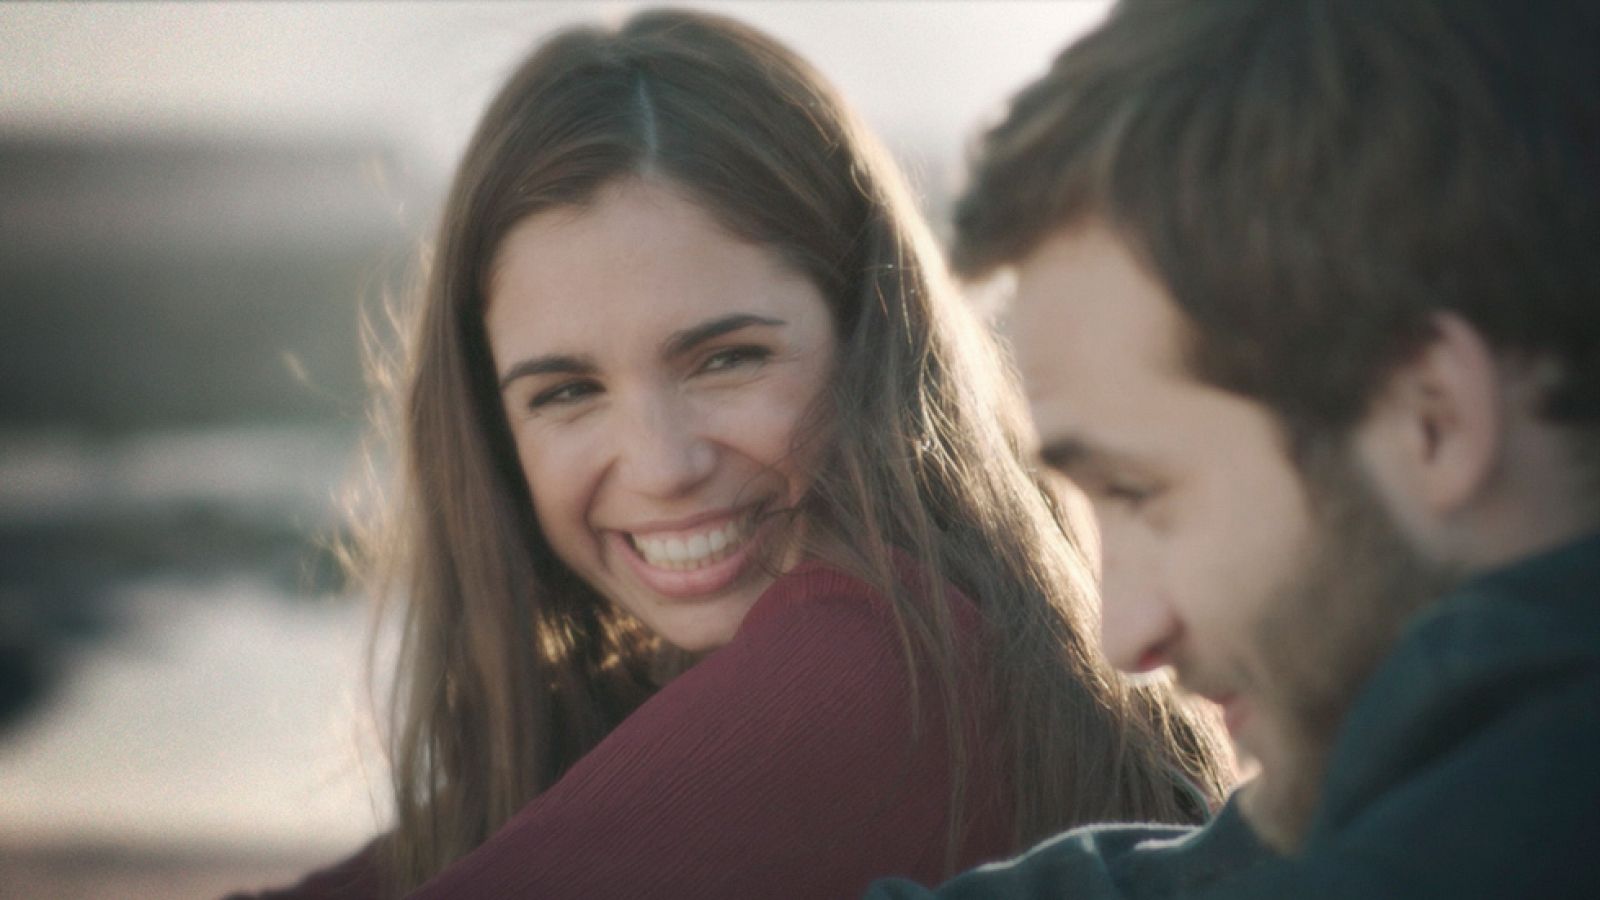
[[636, 266]]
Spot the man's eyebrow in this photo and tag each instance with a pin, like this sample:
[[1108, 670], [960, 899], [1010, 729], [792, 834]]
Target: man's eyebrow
[[550, 364], [1079, 457], [1067, 453], [682, 342]]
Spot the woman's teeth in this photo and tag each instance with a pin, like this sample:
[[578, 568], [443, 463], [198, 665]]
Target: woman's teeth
[[693, 551]]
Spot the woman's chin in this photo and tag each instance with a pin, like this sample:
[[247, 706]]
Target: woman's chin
[[698, 632]]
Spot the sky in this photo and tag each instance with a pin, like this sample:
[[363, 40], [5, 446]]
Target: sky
[[922, 71]]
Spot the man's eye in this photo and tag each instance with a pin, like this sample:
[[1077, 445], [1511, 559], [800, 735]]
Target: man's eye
[[563, 394], [734, 357], [1131, 497]]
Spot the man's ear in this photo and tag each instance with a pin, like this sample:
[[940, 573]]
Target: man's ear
[[1435, 432]]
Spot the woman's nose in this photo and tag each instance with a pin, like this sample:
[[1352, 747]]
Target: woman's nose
[[663, 448]]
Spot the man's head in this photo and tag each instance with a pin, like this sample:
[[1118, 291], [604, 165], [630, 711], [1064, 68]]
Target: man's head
[[1309, 305]]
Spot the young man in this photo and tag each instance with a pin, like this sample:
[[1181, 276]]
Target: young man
[[1308, 303]]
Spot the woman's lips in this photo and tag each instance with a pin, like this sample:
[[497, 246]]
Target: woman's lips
[[687, 563]]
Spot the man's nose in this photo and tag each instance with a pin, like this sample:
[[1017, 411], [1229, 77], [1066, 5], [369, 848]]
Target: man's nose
[[662, 446], [1138, 627]]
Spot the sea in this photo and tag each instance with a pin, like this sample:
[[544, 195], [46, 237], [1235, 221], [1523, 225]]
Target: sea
[[188, 704]]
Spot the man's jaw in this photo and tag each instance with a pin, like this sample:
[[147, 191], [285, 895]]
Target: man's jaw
[[1289, 765], [1279, 807], [1283, 783]]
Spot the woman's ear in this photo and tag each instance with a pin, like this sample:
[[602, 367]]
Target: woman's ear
[[1436, 429]]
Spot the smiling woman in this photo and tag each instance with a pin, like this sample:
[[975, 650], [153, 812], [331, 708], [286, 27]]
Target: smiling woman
[[656, 372], [722, 574]]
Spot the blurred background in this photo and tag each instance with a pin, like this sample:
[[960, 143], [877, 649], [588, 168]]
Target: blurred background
[[196, 203]]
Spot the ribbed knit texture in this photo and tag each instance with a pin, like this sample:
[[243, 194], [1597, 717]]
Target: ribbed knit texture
[[781, 765]]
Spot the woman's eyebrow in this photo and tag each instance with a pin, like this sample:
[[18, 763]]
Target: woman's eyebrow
[[687, 339], [554, 363], [678, 343]]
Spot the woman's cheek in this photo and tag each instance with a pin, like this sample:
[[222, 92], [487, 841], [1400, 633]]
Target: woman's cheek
[[760, 425], [559, 464]]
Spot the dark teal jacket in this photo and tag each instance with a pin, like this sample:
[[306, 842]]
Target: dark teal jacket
[[1469, 769]]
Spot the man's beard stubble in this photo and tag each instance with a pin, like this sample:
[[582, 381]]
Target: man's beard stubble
[[1328, 626]]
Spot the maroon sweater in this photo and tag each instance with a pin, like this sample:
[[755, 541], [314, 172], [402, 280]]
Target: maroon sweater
[[781, 765]]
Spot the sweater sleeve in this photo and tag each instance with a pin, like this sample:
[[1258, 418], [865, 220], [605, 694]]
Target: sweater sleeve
[[782, 765]]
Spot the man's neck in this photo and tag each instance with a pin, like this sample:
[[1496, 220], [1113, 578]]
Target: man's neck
[[1540, 497]]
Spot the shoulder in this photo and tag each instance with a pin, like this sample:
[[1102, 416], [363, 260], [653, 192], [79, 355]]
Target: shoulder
[[1108, 862], [1537, 614], [1511, 660], [789, 757], [820, 646], [819, 641], [814, 589], [819, 594]]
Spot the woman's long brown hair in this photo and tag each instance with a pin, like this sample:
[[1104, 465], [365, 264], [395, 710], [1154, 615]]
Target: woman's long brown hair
[[511, 668]]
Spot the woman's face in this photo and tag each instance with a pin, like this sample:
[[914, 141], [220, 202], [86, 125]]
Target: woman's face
[[654, 370]]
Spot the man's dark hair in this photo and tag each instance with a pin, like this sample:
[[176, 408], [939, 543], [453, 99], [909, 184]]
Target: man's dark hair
[[1312, 180]]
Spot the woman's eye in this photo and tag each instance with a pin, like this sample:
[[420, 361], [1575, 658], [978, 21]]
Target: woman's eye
[[563, 394], [734, 357]]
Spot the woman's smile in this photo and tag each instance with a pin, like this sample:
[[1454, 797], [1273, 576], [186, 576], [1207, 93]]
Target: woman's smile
[[699, 561], [687, 549]]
